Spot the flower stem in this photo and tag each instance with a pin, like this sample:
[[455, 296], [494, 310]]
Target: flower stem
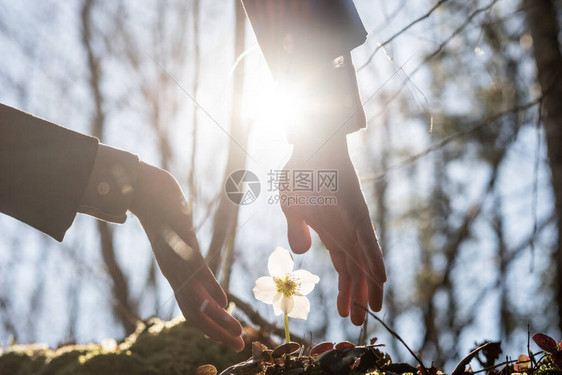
[[287, 335]]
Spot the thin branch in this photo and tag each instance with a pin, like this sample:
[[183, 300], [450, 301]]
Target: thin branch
[[459, 29], [390, 17], [435, 53], [502, 364], [408, 79], [452, 137], [404, 29], [424, 369], [460, 367]]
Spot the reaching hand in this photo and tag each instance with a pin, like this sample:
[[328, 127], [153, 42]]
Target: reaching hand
[[345, 228], [166, 218]]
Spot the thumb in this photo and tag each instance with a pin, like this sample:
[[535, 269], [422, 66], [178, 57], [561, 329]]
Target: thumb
[[297, 230]]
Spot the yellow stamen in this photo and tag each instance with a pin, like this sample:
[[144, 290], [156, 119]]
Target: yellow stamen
[[287, 286]]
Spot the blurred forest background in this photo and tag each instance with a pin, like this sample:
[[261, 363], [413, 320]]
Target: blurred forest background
[[461, 165]]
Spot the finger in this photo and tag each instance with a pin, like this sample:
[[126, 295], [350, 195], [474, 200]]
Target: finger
[[369, 251], [211, 284], [221, 317], [211, 328], [182, 266], [297, 230], [187, 247], [359, 289], [340, 243], [372, 255], [344, 285], [344, 279], [210, 318], [215, 312]]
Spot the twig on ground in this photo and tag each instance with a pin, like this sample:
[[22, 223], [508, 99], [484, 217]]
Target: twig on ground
[[459, 369], [424, 369], [501, 364]]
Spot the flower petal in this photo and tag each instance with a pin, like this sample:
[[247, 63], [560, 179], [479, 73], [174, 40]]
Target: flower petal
[[307, 281], [280, 262], [287, 304], [301, 308], [277, 304], [265, 289]]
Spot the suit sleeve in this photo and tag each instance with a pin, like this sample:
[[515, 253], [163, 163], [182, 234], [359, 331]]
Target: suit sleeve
[[307, 45], [304, 32], [44, 170]]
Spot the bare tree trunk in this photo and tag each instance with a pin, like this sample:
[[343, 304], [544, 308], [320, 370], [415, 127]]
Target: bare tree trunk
[[121, 303], [122, 307], [544, 28], [225, 219]]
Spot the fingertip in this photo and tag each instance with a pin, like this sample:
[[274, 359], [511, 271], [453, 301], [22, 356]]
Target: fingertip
[[343, 304], [359, 309], [344, 291], [222, 300], [237, 344], [299, 235], [376, 297], [222, 318], [375, 305], [358, 316], [343, 311]]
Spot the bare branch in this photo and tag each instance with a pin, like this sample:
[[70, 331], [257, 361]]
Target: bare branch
[[397, 336], [452, 137], [404, 29]]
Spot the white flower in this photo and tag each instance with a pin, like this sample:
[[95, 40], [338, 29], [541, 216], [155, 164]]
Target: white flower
[[285, 289]]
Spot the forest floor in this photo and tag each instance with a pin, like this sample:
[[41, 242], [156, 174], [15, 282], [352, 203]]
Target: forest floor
[[166, 348]]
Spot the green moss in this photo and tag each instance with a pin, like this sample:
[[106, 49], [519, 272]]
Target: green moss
[[109, 364], [60, 360], [19, 363], [155, 348]]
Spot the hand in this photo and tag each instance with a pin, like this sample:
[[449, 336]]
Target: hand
[[166, 218], [345, 229]]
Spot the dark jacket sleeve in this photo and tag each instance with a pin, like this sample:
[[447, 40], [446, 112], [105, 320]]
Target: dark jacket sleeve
[[44, 170], [306, 32], [307, 44]]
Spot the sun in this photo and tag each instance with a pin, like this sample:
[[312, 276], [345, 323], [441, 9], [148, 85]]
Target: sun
[[267, 104]]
